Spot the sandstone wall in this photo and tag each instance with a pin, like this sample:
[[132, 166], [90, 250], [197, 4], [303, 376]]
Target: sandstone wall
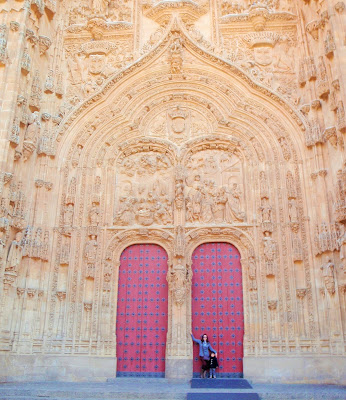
[[176, 123]]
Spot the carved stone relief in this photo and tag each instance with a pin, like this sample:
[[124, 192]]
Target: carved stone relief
[[215, 188]]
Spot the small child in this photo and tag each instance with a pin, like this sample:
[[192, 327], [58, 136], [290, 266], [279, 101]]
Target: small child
[[213, 364]]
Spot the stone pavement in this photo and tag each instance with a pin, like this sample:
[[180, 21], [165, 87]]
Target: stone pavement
[[154, 389]]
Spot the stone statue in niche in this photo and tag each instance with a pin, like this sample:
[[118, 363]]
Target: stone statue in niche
[[31, 135], [179, 193], [269, 254], [94, 214], [179, 281], [68, 215], [327, 270], [252, 273], [292, 210], [220, 205], [264, 185], [15, 254], [266, 212], [90, 252], [176, 55], [342, 246]]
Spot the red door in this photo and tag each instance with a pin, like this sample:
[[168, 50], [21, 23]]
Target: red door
[[142, 311], [217, 305]]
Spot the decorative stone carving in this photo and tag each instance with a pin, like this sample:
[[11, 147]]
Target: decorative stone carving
[[175, 123], [3, 44], [322, 85], [36, 92], [270, 251], [94, 214], [176, 55], [179, 280], [179, 247], [327, 271], [44, 43], [293, 210], [90, 255], [15, 254], [340, 203], [213, 194], [252, 273], [31, 135]]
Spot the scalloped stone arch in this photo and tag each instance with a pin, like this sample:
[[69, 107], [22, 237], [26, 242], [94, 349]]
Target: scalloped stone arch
[[237, 237], [119, 242], [293, 121]]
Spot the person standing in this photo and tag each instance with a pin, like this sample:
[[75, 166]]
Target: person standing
[[204, 355], [213, 364]]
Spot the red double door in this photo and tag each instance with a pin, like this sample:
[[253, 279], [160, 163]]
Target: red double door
[[142, 308]]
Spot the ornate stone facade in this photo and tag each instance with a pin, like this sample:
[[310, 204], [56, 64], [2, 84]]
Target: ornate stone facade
[[175, 123]]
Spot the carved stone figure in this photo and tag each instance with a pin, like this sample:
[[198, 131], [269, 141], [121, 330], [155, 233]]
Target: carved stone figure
[[235, 203], [90, 252], [94, 214], [269, 254], [15, 254], [252, 273], [179, 280], [100, 6], [292, 210], [266, 212], [68, 214], [327, 270], [342, 246], [176, 57], [32, 134]]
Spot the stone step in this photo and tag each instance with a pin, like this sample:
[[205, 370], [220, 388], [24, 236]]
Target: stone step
[[220, 383], [94, 396], [223, 396]]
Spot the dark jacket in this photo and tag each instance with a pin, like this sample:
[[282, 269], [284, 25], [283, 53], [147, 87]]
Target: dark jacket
[[213, 362]]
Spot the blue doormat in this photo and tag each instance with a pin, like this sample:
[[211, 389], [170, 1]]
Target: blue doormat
[[218, 383], [223, 396]]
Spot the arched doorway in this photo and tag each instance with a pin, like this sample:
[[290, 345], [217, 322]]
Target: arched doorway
[[142, 311], [217, 305]]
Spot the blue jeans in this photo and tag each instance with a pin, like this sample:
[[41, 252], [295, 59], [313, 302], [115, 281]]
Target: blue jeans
[[212, 373]]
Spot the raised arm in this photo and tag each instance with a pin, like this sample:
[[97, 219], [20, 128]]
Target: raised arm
[[194, 339]]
